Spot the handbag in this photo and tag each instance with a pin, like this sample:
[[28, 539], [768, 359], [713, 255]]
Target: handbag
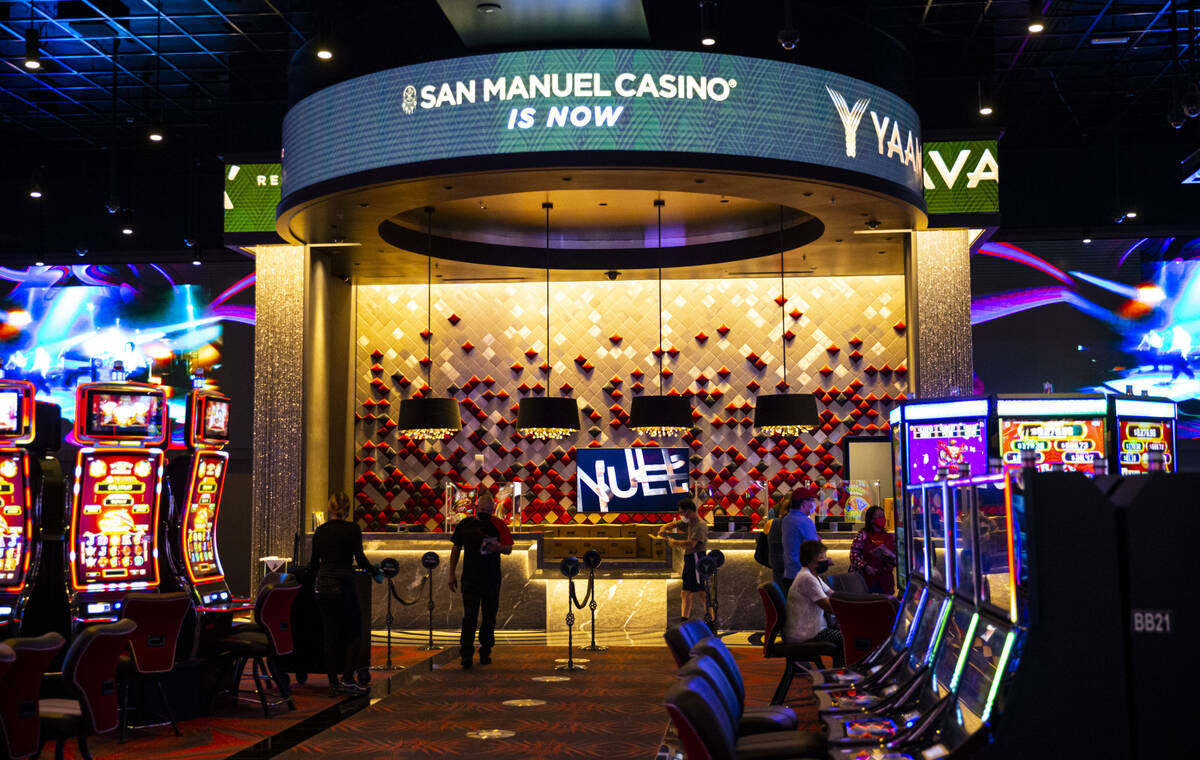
[[762, 550]]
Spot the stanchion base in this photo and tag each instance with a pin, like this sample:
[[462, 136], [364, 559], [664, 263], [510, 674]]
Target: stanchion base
[[594, 648], [386, 667], [429, 647], [570, 666]]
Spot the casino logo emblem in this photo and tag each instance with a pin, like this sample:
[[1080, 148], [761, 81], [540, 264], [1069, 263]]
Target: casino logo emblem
[[408, 100]]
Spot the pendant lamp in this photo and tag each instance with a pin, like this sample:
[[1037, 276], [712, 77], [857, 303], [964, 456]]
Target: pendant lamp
[[786, 414], [545, 417], [428, 417], [660, 416]]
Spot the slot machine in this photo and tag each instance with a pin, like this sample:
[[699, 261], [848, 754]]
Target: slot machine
[[112, 538], [1143, 435], [197, 481], [18, 510], [1054, 432]]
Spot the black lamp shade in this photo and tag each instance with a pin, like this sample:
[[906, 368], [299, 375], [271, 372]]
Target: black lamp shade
[[548, 417], [786, 412], [661, 415], [428, 417]]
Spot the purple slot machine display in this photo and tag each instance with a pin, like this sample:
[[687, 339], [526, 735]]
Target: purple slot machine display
[[1058, 432], [113, 531], [18, 510]]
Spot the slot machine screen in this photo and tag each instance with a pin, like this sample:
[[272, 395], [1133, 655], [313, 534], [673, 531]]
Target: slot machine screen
[[200, 526], [955, 446], [10, 411], [958, 627], [1137, 439], [979, 681], [216, 419], [15, 528], [1076, 444], [113, 526], [125, 414]]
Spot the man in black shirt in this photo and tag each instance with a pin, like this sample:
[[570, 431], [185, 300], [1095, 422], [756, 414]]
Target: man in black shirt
[[483, 538], [336, 547]]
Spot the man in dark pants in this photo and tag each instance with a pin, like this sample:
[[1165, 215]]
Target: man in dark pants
[[336, 547], [483, 538]]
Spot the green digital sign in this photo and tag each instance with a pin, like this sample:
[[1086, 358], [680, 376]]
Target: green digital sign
[[596, 101], [962, 177], [251, 195]]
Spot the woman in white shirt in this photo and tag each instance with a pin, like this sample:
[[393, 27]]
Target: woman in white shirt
[[808, 599]]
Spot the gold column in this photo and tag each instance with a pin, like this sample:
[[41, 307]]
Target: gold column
[[277, 499], [939, 313]]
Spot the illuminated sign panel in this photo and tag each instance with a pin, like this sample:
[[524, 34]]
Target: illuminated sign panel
[[251, 195], [962, 177], [200, 523], [545, 101], [638, 479], [1076, 444]]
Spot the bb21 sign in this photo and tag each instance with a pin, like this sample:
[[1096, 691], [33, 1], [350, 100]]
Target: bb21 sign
[[961, 177]]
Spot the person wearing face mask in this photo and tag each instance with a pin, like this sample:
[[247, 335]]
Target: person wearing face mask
[[483, 538], [873, 553], [808, 600], [798, 527]]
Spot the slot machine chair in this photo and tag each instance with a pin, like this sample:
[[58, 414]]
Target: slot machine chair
[[681, 638], [262, 644], [866, 622], [713, 649], [19, 722], [753, 724], [88, 682], [159, 619], [707, 732], [775, 614]]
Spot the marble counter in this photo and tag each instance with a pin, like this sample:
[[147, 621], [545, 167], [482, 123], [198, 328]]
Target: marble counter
[[633, 598]]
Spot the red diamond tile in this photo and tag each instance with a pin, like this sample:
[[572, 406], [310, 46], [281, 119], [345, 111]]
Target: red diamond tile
[[467, 347], [426, 334], [701, 337], [517, 367], [833, 349], [530, 353], [615, 338], [454, 319], [723, 330], [795, 314], [826, 370], [900, 326]]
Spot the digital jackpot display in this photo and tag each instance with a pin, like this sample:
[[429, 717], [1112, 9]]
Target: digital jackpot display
[[122, 415], [16, 531], [200, 522], [1076, 444], [959, 447], [113, 523], [603, 100], [1137, 439], [251, 195]]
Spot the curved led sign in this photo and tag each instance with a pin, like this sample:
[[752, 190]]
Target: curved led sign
[[572, 101]]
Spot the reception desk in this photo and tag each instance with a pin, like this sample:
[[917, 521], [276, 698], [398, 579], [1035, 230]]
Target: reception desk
[[635, 596]]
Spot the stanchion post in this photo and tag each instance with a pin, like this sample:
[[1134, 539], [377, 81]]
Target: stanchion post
[[570, 568], [389, 567], [430, 561], [707, 566], [592, 560]]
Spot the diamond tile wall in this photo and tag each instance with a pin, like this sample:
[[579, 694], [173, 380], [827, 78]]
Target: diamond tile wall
[[721, 346]]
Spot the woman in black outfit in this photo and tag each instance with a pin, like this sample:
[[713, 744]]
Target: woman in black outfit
[[336, 546]]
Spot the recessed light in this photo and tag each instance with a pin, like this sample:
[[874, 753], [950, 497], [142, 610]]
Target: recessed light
[[195, 262], [985, 110], [1131, 215], [324, 53], [1036, 27], [699, 181], [724, 200], [39, 263], [1110, 40], [126, 230], [1086, 241], [488, 7]]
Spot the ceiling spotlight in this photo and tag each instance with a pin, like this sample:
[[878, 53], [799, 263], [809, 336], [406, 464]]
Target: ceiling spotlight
[[156, 134], [1036, 22], [1191, 101], [81, 252], [324, 53], [708, 14], [1131, 215], [487, 7], [39, 263], [127, 230], [33, 59], [788, 36], [985, 110], [1087, 241], [196, 262], [35, 192], [1036, 26]]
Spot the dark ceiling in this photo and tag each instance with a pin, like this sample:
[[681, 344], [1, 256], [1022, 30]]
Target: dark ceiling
[[1083, 104]]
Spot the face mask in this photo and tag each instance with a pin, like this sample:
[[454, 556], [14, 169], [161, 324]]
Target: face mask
[[823, 566]]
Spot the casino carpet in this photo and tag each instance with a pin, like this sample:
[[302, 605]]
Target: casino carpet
[[613, 710], [230, 730]]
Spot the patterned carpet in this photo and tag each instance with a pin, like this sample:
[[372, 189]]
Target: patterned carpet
[[230, 730], [613, 710]]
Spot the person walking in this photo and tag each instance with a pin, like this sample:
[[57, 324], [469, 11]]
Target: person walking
[[798, 527], [483, 538], [336, 547]]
